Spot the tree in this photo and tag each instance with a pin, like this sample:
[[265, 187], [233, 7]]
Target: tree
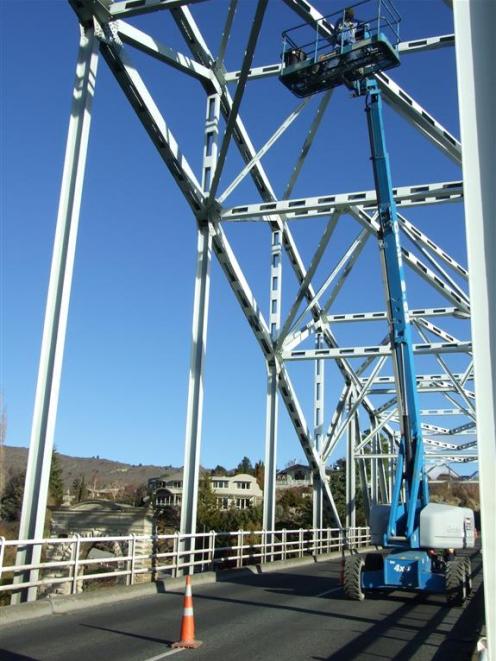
[[140, 495], [207, 511], [11, 502], [245, 466], [294, 509], [337, 481], [219, 470], [259, 472], [79, 489], [56, 483]]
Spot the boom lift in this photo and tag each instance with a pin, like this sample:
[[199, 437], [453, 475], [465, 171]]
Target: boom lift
[[419, 537]]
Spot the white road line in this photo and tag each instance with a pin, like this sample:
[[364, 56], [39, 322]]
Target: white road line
[[161, 656], [322, 594]]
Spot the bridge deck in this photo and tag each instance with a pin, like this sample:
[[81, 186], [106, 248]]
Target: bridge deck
[[297, 613]]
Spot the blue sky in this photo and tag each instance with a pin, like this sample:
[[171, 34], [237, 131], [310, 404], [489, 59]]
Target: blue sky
[[124, 384]]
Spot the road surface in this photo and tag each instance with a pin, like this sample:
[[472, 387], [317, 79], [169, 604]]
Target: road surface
[[297, 613]]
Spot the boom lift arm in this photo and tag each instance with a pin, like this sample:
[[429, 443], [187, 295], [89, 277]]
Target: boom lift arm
[[402, 529]]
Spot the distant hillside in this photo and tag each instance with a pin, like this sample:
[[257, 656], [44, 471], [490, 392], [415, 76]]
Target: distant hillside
[[104, 472]]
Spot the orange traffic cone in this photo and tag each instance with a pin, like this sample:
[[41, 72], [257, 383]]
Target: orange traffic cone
[[188, 621]]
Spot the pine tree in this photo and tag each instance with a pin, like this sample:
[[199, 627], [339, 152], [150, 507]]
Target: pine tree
[[11, 502], [245, 466], [259, 472], [56, 484]]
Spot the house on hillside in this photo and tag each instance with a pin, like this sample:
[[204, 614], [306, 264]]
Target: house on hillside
[[239, 491], [297, 475], [167, 489]]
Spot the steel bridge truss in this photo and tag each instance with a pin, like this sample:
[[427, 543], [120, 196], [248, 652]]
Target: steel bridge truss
[[371, 448]]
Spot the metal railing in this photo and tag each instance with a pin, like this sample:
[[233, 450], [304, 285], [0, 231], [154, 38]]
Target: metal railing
[[67, 563]]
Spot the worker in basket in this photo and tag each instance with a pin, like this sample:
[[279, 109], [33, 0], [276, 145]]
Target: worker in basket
[[345, 29]]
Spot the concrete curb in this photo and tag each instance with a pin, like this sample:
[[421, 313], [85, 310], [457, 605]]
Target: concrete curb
[[70, 604]]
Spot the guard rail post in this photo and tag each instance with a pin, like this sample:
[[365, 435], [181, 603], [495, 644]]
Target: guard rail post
[[2, 553], [239, 544], [133, 558], [176, 554], [75, 559], [212, 549]]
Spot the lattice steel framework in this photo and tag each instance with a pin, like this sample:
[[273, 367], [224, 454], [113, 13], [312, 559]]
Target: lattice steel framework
[[365, 414]]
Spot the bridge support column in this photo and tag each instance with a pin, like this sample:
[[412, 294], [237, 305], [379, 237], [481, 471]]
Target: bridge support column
[[373, 465], [192, 442], [269, 503], [475, 57], [56, 312], [318, 408], [350, 474]]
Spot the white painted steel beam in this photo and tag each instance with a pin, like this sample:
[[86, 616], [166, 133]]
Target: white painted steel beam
[[149, 45], [382, 316], [356, 246], [475, 58], [358, 397], [380, 350], [226, 33], [270, 466], [351, 471], [126, 8], [192, 442], [413, 112], [421, 379], [325, 204], [428, 43], [303, 288], [429, 276], [194, 414], [429, 457], [309, 138], [435, 330], [263, 150], [318, 413], [450, 376], [272, 402], [57, 308], [148, 113], [422, 239], [240, 88]]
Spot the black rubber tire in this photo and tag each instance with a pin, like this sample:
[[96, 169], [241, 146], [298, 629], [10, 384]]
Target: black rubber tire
[[352, 584], [468, 575], [456, 591]]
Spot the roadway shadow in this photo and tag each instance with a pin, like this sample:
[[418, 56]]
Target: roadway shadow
[[458, 643], [286, 582], [5, 655], [375, 641], [162, 641], [466, 631]]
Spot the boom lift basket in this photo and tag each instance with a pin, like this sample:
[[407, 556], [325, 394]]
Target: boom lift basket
[[339, 51]]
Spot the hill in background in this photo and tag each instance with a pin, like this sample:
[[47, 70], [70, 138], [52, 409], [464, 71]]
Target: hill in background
[[95, 470]]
